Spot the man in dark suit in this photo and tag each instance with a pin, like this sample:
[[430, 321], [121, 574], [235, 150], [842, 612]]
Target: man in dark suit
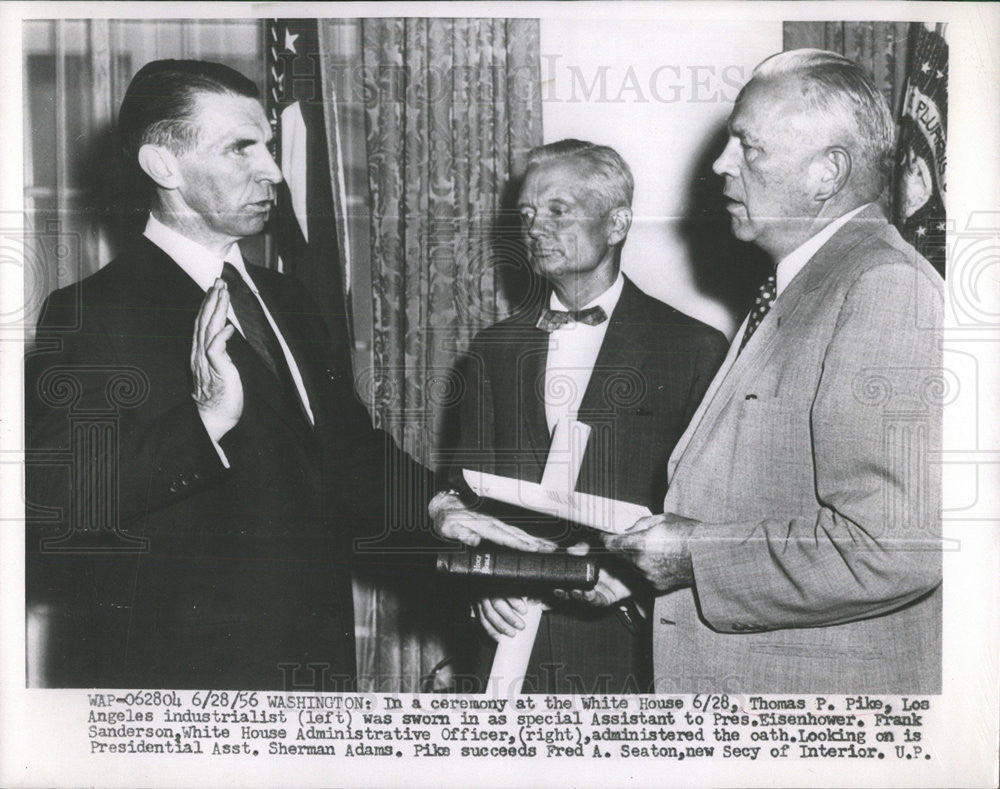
[[240, 461], [603, 353]]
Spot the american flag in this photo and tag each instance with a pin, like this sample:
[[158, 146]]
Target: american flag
[[306, 225], [920, 185]]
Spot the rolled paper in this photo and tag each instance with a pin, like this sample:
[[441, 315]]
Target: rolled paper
[[562, 467], [510, 663]]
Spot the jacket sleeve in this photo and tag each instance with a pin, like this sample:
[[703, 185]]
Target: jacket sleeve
[[872, 545]]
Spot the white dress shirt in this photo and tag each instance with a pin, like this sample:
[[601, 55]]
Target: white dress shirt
[[573, 350], [204, 268]]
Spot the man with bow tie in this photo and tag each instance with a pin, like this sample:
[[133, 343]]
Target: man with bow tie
[[243, 463], [601, 352], [799, 549]]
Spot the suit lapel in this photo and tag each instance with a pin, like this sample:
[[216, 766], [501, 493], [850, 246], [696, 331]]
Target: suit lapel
[[531, 385], [737, 369], [622, 355], [619, 368], [706, 404]]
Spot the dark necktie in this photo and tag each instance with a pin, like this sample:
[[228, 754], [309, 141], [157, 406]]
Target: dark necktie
[[763, 302], [550, 320], [254, 323]]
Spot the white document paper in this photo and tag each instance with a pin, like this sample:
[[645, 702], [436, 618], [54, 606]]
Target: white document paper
[[597, 512]]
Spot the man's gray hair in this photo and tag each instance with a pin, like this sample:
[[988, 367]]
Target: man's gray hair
[[841, 89], [607, 174]]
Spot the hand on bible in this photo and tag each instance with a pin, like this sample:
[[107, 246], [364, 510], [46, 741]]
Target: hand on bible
[[218, 390], [454, 521]]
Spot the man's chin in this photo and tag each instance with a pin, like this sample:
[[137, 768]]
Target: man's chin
[[742, 229], [548, 265], [253, 225]]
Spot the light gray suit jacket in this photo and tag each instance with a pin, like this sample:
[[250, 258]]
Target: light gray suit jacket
[[817, 563]]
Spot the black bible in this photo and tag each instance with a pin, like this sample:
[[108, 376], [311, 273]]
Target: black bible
[[558, 570]]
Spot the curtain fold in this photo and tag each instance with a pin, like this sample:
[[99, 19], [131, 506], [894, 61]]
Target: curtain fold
[[451, 108], [880, 47]]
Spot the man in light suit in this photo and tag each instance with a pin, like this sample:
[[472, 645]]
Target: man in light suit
[[240, 454], [799, 547], [601, 352]]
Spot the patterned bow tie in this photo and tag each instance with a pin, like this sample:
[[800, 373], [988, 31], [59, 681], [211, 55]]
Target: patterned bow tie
[[761, 306], [550, 320]]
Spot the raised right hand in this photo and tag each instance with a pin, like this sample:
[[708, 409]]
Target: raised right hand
[[218, 389]]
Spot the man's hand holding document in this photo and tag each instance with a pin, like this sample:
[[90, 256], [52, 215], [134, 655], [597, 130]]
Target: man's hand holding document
[[554, 496]]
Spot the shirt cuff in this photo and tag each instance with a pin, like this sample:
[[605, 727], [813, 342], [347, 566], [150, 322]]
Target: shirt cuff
[[207, 421], [221, 451]]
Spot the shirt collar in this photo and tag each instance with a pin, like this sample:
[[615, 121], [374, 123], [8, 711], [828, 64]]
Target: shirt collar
[[795, 261], [606, 301], [198, 263]]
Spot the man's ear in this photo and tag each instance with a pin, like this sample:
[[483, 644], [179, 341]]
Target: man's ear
[[160, 164], [620, 220], [831, 169]]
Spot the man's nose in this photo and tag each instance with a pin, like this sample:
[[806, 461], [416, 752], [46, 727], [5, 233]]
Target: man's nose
[[268, 170], [726, 163], [534, 226]]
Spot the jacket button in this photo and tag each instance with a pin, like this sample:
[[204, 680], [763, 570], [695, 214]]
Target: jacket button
[[185, 483], [197, 475], [173, 487]]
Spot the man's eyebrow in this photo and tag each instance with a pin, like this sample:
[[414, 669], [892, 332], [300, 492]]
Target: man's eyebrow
[[740, 131]]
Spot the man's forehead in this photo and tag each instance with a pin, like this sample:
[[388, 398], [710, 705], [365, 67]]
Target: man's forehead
[[566, 178], [767, 98], [221, 112]]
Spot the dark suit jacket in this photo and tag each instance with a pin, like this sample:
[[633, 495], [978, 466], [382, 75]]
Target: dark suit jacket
[[245, 575], [651, 371], [650, 374]]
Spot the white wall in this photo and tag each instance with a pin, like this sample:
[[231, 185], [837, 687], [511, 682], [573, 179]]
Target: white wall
[[656, 91]]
